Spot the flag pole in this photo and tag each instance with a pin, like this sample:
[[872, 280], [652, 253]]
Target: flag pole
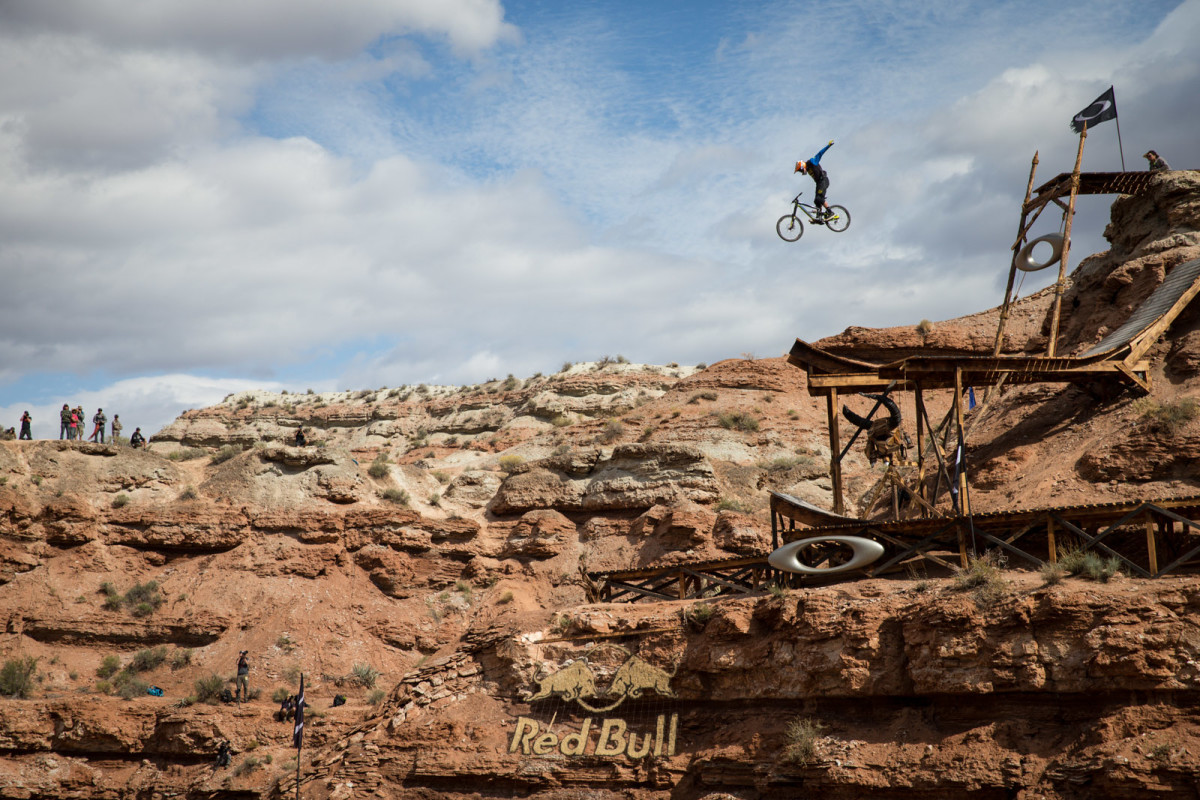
[[1119, 145], [298, 732]]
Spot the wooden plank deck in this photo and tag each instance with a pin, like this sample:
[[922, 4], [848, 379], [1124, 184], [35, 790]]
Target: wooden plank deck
[[1138, 533]]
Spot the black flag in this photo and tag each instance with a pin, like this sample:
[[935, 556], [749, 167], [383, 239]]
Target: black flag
[[298, 732], [1102, 109]]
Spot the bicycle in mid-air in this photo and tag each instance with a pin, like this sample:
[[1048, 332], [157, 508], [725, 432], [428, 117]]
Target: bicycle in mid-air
[[790, 228]]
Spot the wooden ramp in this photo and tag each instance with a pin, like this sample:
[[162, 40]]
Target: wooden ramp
[[1119, 356]]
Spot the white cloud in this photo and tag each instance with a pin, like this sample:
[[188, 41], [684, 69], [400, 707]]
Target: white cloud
[[334, 201], [266, 29]]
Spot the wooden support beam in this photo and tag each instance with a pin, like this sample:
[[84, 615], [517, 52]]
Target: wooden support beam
[[1151, 547], [920, 401], [1012, 269], [1060, 286], [835, 450]]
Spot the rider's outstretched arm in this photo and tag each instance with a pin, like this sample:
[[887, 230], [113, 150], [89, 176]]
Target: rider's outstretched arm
[[817, 158]]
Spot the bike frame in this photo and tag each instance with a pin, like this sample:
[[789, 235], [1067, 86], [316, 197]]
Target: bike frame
[[809, 211]]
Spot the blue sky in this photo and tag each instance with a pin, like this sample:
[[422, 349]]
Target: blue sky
[[204, 197]]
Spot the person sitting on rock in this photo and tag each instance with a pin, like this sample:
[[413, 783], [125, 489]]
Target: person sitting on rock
[[1157, 162], [287, 709], [137, 440], [301, 440], [224, 755]]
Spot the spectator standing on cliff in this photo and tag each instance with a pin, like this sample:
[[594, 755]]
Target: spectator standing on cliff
[[26, 422], [64, 417], [1157, 162], [99, 421], [76, 419], [136, 440], [116, 427], [242, 687]]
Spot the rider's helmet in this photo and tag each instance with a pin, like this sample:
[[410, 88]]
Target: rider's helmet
[[799, 167]]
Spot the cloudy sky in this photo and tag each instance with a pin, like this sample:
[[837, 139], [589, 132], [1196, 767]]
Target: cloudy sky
[[199, 197]]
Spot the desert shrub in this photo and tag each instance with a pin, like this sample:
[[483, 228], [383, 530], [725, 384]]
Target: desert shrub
[[379, 467], [1090, 565], [120, 501], [924, 328], [131, 687], [146, 660], [435, 500], [37, 480], [18, 676], [441, 477], [1168, 416], [510, 383], [984, 576], [143, 599], [1052, 573], [510, 462], [738, 421], [612, 431], [280, 694], [465, 589], [698, 396], [208, 690], [181, 658], [113, 602], [732, 504], [394, 495], [285, 643], [186, 454], [225, 453], [507, 597], [364, 675], [698, 615], [800, 740], [376, 696], [103, 687], [248, 764], [560, 421], [776, 590], [189, 493]]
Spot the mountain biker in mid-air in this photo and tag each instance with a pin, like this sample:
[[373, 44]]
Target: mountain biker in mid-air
[[814, 170]]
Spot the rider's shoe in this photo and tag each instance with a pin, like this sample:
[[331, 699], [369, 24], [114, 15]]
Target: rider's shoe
[[818, 220]]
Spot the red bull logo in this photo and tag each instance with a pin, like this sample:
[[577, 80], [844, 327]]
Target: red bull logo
[[580, 682]]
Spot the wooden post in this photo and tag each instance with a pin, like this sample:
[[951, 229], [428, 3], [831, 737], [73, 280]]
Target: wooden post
[[960, 460], [920, 401], [1050, 541], [1012, 268], [835, 451], [1059, 287], [1151, 548], [963, 503]]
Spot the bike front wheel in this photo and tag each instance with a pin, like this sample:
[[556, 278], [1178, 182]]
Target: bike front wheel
[[840, 219], [789, 227]]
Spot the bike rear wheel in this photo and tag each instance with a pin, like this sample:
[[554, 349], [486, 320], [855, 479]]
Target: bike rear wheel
[[840, 219], [789, 227]]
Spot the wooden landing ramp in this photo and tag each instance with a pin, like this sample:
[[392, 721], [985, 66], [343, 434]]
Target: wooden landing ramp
[[1148, 538]]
